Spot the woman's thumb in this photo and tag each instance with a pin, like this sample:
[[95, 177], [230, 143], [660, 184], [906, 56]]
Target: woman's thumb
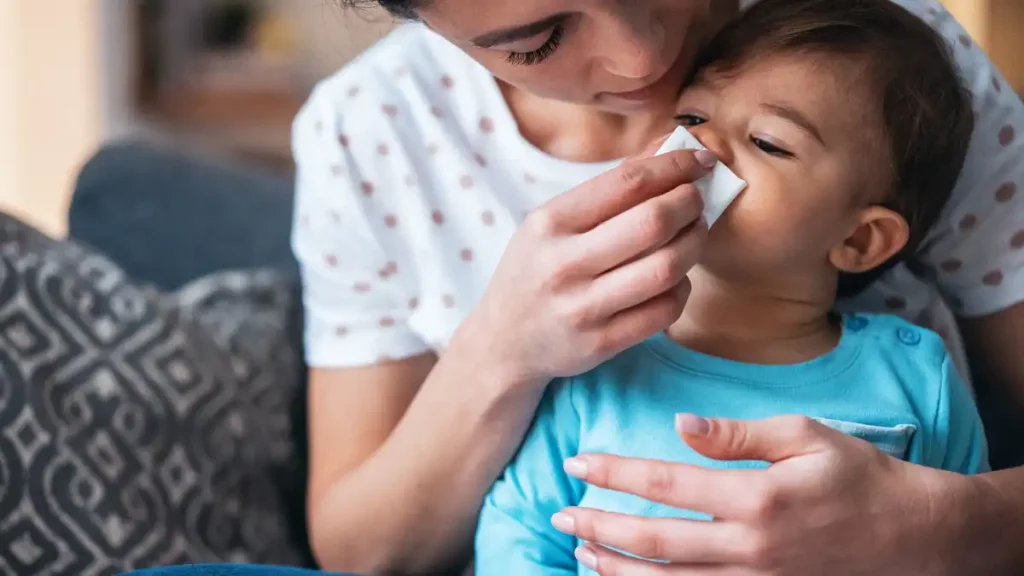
[[771, 440]]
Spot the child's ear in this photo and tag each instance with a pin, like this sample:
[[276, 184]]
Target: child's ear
[[879, 234]]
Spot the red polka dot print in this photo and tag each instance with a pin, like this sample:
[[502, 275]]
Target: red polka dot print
[[1017, 242], [390, 110], [391, 221], [996, 84], [895, 303], [487, 218], [466, 255], [437, 216], [367, 188], [1006, 135], [480, 160], [448, 301], [387, 322], [993, 278], [447, 82], [1006, 192], [486, 125], [466, 181], [968, 222], [382, 149], [343, 140], [414, 303], [361, 287], [331, 260], [437, 111], [951, 266]]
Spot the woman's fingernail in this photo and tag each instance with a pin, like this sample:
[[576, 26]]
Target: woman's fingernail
[[575, 467], [564, 523], [691, 425], [706, 158], [586, 557]]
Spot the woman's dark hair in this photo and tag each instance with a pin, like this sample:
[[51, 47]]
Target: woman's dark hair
[[404, 9], [926, 111]]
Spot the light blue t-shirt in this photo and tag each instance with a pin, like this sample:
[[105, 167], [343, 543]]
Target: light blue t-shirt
[[887, 381]]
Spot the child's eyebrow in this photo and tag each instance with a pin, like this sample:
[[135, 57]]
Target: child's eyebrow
[[795, 116]]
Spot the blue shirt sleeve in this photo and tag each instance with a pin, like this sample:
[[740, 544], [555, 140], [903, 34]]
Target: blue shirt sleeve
[[958, 438], [515, 535]]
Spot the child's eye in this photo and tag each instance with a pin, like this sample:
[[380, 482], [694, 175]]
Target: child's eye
[[769, 148], [689, 120]]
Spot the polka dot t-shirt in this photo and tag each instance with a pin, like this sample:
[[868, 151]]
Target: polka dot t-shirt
[[412, 176]]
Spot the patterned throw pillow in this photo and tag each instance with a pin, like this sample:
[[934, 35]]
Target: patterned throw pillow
[[139, 429]]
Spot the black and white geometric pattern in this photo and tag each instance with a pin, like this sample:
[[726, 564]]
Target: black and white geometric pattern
[[139, 429]]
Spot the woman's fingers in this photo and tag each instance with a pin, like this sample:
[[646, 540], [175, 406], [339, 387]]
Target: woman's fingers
[[648, 276], [668, 539], [640, 322], [639, 230], [610, 563], [618, 190], [730, 494]]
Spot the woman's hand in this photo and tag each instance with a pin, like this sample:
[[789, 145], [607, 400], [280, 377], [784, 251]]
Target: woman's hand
[[594, 271], [830, 504]]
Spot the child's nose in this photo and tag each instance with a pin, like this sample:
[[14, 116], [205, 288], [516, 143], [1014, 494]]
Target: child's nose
[[714, 141]]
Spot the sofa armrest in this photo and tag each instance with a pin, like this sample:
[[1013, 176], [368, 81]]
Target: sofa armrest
[[167, 217]]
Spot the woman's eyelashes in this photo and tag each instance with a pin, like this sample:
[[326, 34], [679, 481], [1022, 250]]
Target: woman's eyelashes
[[540, 54]]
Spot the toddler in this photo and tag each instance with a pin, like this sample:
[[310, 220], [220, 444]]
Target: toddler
[[848, 122]]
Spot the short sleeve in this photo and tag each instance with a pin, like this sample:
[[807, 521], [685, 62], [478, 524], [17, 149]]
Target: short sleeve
[[957, 438], [515, 535], [977, 249], [359, 288]]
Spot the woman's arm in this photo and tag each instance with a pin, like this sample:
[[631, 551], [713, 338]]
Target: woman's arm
[[994, 345], [400, 461], [399, 469]]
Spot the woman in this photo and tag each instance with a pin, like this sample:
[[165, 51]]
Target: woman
[[416, 172]]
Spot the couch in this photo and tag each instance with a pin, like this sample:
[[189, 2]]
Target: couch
[[151, 375]]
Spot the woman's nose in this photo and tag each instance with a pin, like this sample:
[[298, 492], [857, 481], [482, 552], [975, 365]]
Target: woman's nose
[[714, 141], [632, 43]]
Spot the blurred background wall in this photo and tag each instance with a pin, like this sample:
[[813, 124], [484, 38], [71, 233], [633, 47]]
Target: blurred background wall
[[222, 77]]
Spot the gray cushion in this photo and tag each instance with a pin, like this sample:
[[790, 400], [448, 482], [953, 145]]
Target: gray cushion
[[139, 429]]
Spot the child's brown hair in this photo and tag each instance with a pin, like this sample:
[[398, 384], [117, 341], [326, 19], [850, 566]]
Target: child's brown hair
[[926, 111]]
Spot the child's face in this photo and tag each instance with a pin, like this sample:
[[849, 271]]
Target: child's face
[[805, 133]]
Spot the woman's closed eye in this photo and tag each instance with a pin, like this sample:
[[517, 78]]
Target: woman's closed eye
[[543, 52]]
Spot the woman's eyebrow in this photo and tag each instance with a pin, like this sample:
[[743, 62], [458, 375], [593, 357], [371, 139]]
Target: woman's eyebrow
[[506, 35]]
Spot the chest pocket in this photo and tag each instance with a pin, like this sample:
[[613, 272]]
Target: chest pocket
[[893, 440]]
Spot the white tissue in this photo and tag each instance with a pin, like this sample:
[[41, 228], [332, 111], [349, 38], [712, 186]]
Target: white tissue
[[719, 188]]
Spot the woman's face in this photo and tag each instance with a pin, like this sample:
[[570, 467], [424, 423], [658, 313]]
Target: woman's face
[[622, 56]]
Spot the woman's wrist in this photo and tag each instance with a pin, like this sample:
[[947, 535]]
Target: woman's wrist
[[979, 521], [478, 349]]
